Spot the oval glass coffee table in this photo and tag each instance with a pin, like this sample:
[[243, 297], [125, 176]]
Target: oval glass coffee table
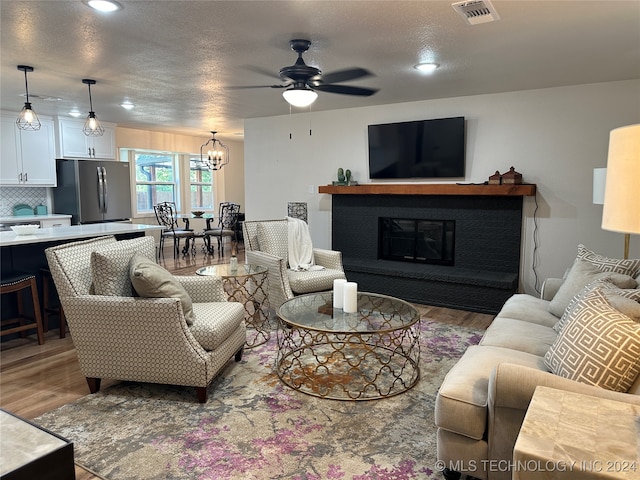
[[249, 285], [367, 355]]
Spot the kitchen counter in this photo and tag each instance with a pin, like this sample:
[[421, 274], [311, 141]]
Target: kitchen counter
[[28, 218], [73, 232]]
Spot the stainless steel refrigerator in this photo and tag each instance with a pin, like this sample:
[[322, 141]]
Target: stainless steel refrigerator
[[93, 191]]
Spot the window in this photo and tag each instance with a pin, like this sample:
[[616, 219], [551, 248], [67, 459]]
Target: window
[[169, 177], [156, 180], [201, 182]]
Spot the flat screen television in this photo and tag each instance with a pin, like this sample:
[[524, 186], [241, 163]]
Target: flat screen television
[[417, 149]]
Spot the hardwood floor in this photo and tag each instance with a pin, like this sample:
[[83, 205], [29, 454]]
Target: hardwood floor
[[35, 379]]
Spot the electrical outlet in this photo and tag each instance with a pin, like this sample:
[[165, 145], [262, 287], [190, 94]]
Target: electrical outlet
[[312, 189]]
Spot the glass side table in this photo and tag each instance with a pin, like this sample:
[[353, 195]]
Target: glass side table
[[248, 285]]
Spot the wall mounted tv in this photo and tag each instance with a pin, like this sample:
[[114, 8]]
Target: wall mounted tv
[[417, 149]]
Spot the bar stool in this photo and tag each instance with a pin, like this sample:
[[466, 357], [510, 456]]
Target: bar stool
[[47, 308], [18, 282]]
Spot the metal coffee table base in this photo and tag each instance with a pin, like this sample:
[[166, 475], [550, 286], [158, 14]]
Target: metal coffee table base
[[349, 366]]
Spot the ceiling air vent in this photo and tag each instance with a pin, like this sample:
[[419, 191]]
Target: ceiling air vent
[[476, 11]]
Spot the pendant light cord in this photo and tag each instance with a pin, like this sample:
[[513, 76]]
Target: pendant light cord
[[26, 85], [90, 102]]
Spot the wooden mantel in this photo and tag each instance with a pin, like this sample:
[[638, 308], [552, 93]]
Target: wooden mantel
[[526, 189]]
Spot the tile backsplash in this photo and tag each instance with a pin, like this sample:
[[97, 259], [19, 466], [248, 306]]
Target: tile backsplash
[[10, 196]]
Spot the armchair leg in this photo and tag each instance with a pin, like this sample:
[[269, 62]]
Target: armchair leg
[[94, 384], [238, 356], [201, 392]]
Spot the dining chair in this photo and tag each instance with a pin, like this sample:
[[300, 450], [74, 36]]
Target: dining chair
[[227, 227], [167, 217]]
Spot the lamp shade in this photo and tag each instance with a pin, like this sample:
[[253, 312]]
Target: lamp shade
[[621, 212]]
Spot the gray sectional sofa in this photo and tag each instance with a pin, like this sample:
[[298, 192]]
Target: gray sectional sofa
[[483, 400]]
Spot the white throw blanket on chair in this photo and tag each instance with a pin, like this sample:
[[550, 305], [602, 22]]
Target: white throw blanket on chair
[[300, 246]]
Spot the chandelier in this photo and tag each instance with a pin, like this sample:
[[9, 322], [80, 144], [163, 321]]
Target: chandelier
[[217, 156]]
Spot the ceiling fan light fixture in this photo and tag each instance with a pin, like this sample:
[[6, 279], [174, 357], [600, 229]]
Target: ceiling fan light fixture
[[426, 67], [300, 97], [27, 118], [92, 127]]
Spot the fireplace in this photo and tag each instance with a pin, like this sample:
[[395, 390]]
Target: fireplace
[[416, 240], [479, 272]]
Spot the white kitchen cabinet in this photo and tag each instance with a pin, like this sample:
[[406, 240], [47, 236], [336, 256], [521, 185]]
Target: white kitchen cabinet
[[73, 143], [28, 158]]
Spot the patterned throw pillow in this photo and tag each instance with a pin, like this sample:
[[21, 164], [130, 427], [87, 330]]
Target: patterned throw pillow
[[630, 266], [110, 265], [273, 238], [151, 280], [599, 346], [581, 274], [606, 286]]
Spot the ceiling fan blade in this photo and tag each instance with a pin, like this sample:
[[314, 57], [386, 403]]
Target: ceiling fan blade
[[244, 87], [345, 89], [345, 75], [262, 71]]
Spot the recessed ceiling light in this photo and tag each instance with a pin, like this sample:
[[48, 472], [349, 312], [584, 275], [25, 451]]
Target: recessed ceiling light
[[104, 5], [426, 67], [75, 113], [127, 105]]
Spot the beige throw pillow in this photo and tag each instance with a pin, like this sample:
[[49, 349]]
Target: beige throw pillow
[[599, 346], [153, 281], [581, 274]]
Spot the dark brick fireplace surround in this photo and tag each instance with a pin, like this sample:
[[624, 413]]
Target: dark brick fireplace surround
[[488, 224]]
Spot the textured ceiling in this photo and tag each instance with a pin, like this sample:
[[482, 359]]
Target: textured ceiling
[[175, 60]]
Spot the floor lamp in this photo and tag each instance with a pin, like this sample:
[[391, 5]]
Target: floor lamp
[[621, 211]]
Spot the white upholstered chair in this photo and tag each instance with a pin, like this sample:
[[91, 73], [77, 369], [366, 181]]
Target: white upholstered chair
[[157, 340], [266, 244]]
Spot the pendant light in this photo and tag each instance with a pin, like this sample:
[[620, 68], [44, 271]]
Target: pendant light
[[92, 127], [217, 155], [27, 119]]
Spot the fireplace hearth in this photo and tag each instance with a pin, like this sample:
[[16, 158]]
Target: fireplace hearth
[[478, 273]]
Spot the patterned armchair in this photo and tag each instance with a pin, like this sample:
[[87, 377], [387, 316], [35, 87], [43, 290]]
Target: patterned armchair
[[266, 244], [155, 340]]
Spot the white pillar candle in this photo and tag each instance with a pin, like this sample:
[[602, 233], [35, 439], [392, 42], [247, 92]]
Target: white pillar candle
[[338, 292], [350, 304]]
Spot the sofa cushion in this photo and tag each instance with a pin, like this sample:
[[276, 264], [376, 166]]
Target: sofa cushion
[[313, 281], [461, 404], [273, 238], [519, 335], [215, 322], [528, 308], [151, 280], [581, 274], [629, 266], [110, 265], [605, 285], [598, 345]]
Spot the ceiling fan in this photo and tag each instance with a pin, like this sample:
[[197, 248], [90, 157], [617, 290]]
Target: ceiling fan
[[302, 80]]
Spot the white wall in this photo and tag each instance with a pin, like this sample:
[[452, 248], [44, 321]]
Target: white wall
[[555, 137]]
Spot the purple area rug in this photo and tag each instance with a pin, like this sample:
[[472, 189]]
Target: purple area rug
[[254, 427]]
